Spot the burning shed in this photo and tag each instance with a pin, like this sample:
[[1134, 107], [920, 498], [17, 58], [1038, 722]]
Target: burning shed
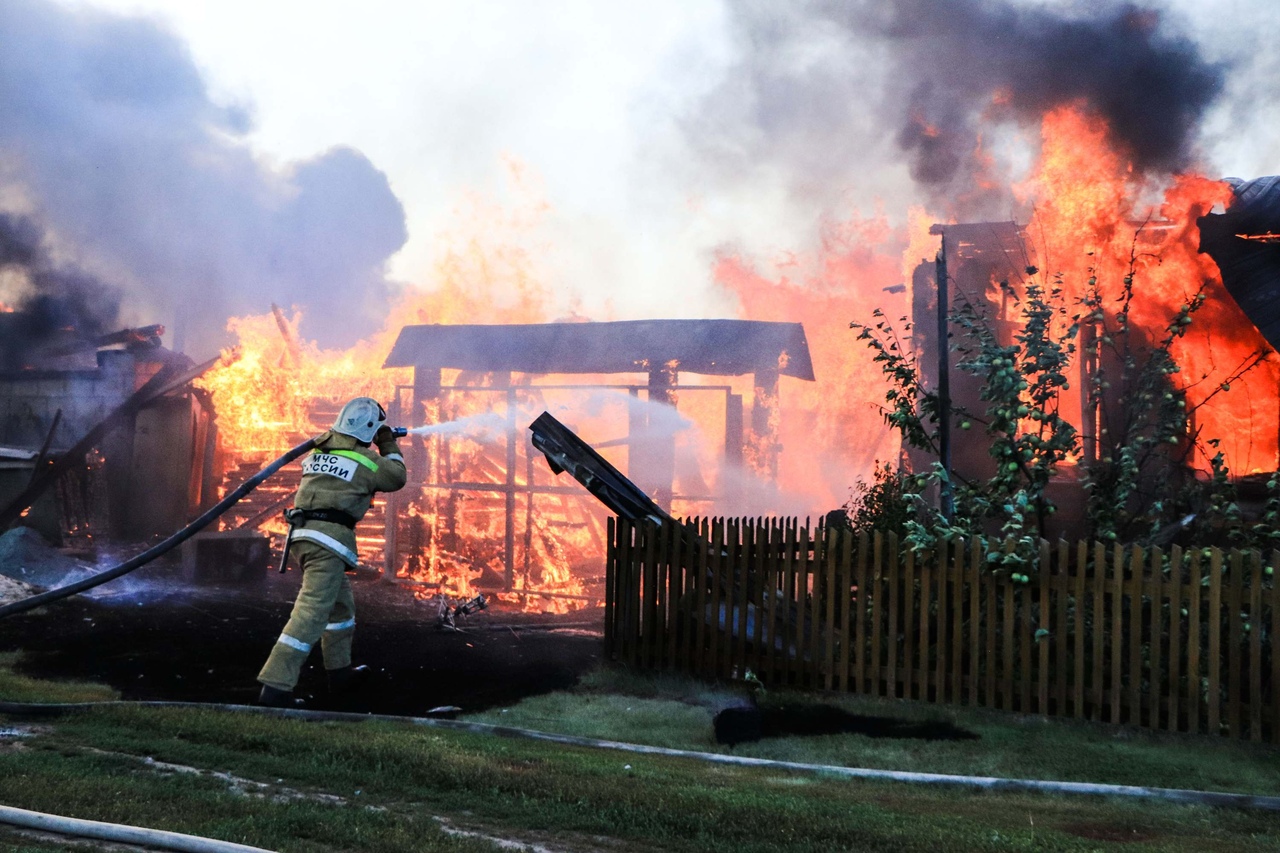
[[133, 443], [1166, 263], [505, 372]]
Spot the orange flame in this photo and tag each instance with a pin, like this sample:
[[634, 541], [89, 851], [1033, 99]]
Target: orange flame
[[1089, 204], [281, 387], [832, 429]]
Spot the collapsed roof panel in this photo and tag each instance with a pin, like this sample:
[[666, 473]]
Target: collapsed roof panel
[[711, 347]]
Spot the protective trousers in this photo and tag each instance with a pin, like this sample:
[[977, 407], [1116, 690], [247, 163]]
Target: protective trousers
[[324, 611]]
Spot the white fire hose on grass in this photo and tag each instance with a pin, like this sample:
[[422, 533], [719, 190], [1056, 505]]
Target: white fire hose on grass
[[1219, 799], [158, 839]]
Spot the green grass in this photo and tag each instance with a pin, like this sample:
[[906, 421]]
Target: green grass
[[20, 688], [676, 712], [393, 782]]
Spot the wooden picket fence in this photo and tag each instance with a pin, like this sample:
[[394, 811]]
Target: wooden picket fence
[[1178, 641]]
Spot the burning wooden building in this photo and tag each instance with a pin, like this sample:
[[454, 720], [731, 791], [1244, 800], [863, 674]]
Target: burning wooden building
[[480, 511], [1237, 326], [115, 419], [533, 532]]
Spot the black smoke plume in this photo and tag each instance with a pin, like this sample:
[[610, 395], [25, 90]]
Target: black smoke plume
[[47, 298], [968, 59], [832, 95]]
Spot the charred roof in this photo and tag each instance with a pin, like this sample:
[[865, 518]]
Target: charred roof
[[1245, 243], [711, 347]]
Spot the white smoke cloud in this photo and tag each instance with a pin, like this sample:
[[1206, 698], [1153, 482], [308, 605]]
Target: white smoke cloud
[[109, 138], [660, 135]]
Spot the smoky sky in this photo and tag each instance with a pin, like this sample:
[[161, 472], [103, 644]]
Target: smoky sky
[[48, 296], [1151, 86], [826, 87], [110, 136]]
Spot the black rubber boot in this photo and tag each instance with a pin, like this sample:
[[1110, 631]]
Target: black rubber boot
[[349, 679], [274, 697]]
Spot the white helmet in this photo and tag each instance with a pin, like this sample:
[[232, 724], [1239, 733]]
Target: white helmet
[[360, 419]]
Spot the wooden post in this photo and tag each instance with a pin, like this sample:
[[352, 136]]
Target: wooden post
[[803, 569], [926, 600], [717, 599], [772, 582], [760, 592], [1007, 628], [1077, 679], [975, 619], [701, 655], [942, 623], [844, 587], [1156, 679], [1053, 626], [659, 473], [675, 590], [908, 621], [1135, 636], [514, 436], [629, 598], [955, 572], [610, 585], [1175, 637], [1274, 594], [790, 640], [733, 431], [1117, 631], [1024, 635], [1193, 642], [764, 427], [944, 380], [1255, 646], [1098, 674], [649, 627], [815, 599], [1235, 639], [739, 532], [877, 607], [893, 577], [391, 504], [830, 590], [1215, 642], [989, 581], [426, 393], [859, 618], [1061, 634]]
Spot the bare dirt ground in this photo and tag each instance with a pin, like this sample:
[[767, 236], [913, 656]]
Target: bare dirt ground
[[155, 638]]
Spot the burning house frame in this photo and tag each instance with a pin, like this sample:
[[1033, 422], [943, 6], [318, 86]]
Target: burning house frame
[[979, 258], [509, 370]]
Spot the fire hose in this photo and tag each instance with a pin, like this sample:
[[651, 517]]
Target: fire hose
[[161, 548]]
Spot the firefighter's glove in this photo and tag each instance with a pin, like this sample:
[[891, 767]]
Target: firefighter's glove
[[385, 439]]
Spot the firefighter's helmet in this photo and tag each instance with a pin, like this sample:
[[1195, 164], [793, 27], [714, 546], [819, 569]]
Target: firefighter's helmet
[[360, 419]]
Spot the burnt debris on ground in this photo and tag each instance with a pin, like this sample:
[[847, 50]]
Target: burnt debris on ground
[[158, 638], [747, 724]]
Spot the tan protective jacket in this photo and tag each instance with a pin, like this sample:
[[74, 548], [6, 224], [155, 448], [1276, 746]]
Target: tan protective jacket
[[342, 475]]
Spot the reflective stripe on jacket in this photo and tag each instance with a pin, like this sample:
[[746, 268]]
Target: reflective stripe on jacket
[[342, 475]]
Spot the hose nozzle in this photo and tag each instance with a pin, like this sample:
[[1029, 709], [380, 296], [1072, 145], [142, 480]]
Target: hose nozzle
[[399, 432]]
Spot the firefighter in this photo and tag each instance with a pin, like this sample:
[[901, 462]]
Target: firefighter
[[338, 483]]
